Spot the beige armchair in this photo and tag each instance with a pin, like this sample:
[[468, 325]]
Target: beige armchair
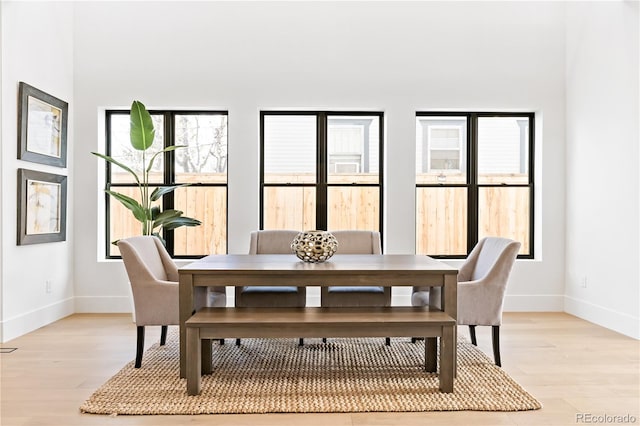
[[154, 283], [356, 242], [482, 284], [271, 242]]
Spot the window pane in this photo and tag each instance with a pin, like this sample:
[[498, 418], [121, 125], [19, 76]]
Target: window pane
[[353, 147], [208, 205], [503, 144], [441, 221], [289, 148], [289, 208], [441, 149], [122, 224], [204, 159], [123, 152], [504, 212], [353, 208]]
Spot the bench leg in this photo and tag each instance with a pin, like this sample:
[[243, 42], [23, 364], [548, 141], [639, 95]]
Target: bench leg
[[430, 354], [447, 361], [194, 361], [206, 356]]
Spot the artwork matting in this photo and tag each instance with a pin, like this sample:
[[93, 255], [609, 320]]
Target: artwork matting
[[42, 207], [42, 127]]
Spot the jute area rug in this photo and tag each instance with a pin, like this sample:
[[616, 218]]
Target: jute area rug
[[277, 376]]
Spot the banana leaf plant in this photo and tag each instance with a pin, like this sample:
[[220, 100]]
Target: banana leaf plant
[[152, 219]]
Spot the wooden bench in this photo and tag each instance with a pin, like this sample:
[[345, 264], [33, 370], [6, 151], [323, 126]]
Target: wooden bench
[[395, 321]]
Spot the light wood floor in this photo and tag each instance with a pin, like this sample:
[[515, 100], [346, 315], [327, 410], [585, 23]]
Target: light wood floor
[[570, 365]]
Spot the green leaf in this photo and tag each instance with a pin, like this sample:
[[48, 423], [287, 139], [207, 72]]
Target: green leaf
[[117, 163], [161, 190], [165, 217], [168, 214], [167, 149], [136, 208], [155, 211], [141, 129], [181, 221]]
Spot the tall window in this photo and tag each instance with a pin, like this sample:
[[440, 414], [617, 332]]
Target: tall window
[[321, 170], [474, 179], [201, 165]]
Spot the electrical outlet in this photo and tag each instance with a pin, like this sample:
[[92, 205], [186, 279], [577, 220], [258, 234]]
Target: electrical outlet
[[47, 286], [583, 282]]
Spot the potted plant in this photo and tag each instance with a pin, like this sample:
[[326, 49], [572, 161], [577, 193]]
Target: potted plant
[[152, 218]]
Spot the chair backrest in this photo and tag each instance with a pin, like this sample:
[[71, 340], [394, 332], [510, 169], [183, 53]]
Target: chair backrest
[[488, 265], [277, 241], [492, 255], [146, 260], [358, 242]]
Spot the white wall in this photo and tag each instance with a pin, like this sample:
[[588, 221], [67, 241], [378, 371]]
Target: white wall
[[37, 48], [2, 204], [395, 57], [603, 182]]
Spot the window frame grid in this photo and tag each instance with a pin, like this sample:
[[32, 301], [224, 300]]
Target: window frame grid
[[322, 163], [169, 176], [472, 184]]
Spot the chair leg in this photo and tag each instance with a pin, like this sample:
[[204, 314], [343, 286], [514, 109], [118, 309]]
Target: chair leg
[[387, 341], [163, 335], [301, 342], [495, 339], [140, 346], [472, 333], [237, 342]]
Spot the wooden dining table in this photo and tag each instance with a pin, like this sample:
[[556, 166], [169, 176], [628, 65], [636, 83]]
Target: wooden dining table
[[288, 270]]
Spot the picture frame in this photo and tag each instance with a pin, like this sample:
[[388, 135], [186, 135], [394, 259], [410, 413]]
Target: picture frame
[[42, 127], [42, 207]]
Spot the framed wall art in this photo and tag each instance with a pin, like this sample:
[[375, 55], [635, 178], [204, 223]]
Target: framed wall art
[[42, 207], [42, 127]]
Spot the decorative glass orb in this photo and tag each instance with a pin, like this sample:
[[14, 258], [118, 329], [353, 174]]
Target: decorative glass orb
[[314, 246]]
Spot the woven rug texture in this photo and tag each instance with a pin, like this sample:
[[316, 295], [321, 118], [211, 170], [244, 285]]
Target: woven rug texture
[[278, 376]]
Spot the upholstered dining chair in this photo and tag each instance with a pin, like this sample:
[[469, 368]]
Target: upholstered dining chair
[[356, 242], [277, 241], [482, 284], [154, 283]]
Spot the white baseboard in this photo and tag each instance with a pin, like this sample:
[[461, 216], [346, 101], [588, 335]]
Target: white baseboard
[[313, 299], [400, 297], [27, 322], [533, 303], [617, 321], [103, 304], [512, 303]]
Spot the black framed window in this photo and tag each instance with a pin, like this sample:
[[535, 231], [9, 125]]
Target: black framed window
[[202, 164], [474, 178], [321, 170]]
